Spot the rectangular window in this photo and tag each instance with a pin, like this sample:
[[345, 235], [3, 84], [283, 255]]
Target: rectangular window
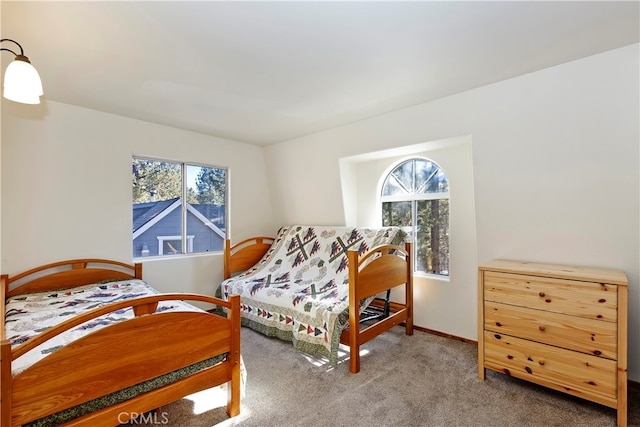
[[432, 239], [178, 208], [429, 232]]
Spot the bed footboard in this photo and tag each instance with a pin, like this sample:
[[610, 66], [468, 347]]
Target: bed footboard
[[382, 268], [122, 355]]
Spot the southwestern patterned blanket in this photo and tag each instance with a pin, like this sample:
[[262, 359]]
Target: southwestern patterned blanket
[[299, 290]]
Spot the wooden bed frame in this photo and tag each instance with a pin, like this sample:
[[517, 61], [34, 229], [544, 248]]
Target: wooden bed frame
[[380, 269], [117, 356]]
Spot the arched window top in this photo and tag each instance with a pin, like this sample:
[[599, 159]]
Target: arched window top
[[414, 177]]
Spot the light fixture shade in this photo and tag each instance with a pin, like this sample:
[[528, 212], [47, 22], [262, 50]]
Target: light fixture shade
[[22, 83]]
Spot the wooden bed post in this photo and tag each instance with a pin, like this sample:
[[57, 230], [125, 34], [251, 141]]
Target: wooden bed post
[[233, 390], [227, 259], [5, 382], [408, 289], [4, 283], [5, 359], [354, 314], [137, 268]]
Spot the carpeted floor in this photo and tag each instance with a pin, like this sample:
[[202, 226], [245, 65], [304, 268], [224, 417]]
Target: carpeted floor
[[419, 380]]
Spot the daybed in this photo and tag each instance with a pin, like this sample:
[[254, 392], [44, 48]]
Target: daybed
[[311, 284], [127, 350]]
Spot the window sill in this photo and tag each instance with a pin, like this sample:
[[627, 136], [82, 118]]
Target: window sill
[[434, 277], [143, 259]]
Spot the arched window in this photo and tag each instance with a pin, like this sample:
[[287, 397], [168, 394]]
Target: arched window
[[415, 196]]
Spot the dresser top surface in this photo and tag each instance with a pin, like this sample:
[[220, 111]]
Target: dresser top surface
[[590, 274]]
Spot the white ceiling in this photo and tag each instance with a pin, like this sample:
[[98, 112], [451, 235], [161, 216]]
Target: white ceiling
[[265, 72]]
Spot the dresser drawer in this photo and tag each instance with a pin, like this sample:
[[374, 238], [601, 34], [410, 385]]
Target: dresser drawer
[[581, 334], [566, 370], [576, 298]]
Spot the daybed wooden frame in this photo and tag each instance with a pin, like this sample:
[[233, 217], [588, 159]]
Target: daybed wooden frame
[[381, 268], [117, 356]]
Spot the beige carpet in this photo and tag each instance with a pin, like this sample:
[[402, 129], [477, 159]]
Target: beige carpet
[[419, 380]]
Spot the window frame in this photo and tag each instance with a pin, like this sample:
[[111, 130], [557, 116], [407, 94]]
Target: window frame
[[414, 198], [186, 239], [162, 239]]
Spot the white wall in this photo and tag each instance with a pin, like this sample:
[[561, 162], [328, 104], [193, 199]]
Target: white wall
[[555, 171], [66, 189]]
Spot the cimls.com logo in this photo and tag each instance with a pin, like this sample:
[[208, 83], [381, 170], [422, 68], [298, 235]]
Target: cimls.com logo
[[152, 417]]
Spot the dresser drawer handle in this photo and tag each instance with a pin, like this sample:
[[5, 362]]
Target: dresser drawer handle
[[542, 328], [541, 294]]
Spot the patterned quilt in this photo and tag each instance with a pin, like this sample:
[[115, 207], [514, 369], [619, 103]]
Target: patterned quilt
[[29, 314], [298, 291]]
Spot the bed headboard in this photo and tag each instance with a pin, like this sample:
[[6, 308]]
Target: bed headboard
[[68, 274]]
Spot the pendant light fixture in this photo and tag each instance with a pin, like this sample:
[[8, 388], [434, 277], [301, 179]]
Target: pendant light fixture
[[21, 80]]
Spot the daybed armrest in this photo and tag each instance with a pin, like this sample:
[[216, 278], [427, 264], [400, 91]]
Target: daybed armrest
[[245, 254]]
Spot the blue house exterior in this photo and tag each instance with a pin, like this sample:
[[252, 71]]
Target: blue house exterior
[[157, 228]]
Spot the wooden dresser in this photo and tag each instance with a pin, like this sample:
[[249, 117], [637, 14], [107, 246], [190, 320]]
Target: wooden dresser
[[558, 326]]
